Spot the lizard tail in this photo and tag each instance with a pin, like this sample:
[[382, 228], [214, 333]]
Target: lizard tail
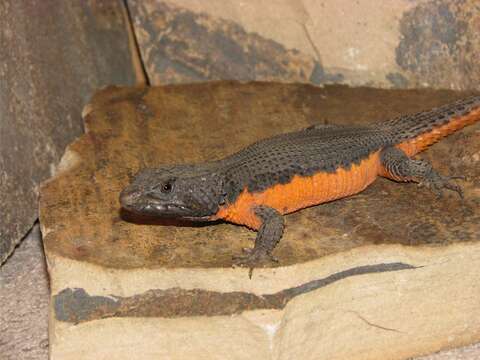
[[414, 133]]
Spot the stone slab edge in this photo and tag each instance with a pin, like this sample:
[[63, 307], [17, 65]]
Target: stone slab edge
[[395, 314]]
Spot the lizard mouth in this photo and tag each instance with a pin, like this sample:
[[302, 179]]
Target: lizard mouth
[[161, 209], [172, 211], [132, 201]]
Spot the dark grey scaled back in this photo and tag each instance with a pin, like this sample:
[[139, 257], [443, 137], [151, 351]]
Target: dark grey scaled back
[[306, 152]]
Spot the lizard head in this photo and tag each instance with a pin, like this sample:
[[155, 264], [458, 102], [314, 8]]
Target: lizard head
[[179, 191]]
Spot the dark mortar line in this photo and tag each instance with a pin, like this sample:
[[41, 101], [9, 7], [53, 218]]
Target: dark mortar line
[[4, 257], [135, 42], [76, 306], [312, 44]]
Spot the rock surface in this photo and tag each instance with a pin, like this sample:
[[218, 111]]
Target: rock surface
[[50, 70], [380, 266]]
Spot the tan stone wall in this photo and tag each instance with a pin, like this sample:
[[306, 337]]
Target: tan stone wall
[[395, 43]]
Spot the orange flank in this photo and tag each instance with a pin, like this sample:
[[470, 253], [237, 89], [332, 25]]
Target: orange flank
[[414, 146], [302, 192]]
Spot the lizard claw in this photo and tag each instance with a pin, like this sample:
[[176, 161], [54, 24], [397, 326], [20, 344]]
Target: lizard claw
[[436, 183], [253, 258]]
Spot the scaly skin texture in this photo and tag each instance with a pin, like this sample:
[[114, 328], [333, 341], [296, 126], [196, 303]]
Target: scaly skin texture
[[288, 172]]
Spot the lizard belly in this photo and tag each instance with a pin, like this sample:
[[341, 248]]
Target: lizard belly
[[302, 192]]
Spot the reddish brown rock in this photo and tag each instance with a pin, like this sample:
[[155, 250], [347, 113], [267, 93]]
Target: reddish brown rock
[[379, 266]]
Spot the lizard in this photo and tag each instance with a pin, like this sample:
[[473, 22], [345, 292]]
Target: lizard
[[272, 177]]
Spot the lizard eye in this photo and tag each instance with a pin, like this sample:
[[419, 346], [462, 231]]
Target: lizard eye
[[166, 187]]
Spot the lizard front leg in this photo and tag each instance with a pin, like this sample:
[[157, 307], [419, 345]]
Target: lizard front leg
[[398, 166], [268, 236]]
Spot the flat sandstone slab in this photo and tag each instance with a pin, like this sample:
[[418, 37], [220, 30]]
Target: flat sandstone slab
[[386, 273]]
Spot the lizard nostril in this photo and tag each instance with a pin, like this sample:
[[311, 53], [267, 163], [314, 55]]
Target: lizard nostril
[[127, 198]]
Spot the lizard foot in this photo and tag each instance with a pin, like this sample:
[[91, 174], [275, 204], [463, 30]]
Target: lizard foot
[[437, 182], [253, 258]]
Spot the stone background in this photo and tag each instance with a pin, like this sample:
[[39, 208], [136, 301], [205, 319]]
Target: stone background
[[55, 54], [395, 43], [48, 71]]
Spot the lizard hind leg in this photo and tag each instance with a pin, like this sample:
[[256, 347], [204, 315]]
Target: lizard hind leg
[[396, 165], [268, 236]]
